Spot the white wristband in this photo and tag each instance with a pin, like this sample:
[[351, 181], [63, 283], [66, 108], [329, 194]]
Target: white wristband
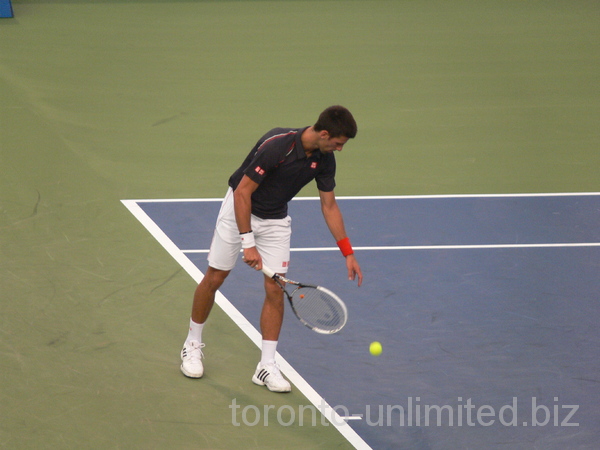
[[248, 240]]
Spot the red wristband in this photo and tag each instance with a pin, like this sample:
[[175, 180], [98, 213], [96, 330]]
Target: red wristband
[[345, 246]]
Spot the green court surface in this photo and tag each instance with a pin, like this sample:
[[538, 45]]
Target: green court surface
[[103, 101]]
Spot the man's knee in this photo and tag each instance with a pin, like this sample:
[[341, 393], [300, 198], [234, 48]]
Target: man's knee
[[214, 278], [273, 290]]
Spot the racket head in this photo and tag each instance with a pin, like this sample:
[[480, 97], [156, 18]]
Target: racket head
[[319, 309]]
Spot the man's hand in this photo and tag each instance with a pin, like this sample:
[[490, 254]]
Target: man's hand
[[252, 258], [353, 269]]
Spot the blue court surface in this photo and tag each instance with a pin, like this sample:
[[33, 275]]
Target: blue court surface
[[487, 308]]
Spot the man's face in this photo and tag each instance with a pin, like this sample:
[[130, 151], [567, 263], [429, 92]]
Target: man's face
[[328, 144]]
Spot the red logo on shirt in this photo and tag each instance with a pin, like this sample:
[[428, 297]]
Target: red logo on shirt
[[313, 165], [259, 171]]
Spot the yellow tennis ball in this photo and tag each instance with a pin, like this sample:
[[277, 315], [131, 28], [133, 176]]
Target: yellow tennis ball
[[375, 348]]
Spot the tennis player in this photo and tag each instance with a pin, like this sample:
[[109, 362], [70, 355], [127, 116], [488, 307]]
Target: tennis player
[[254, 217]]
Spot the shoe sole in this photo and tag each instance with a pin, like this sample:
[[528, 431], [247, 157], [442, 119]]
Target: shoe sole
[[257, 381], [190, 375]]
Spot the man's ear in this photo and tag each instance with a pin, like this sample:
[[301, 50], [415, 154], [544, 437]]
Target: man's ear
[[324, 134]]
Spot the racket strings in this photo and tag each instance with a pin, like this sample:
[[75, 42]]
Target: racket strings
[[319, 309]]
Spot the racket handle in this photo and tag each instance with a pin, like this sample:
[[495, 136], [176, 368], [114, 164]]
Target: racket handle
[[268, 272]]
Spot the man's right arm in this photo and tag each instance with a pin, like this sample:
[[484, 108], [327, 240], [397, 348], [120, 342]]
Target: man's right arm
[[242, 203]]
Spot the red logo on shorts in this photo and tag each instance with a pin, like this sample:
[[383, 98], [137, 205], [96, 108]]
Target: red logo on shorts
[[285, 264], [259, 171], [313, 165]]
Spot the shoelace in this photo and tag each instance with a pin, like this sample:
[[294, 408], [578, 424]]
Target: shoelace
[[195, 351], [274, 371]]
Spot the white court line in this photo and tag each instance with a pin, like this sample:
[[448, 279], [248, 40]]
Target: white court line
[[434, 196], [434, 247], [386, 197], [241, 321], [445, 247]]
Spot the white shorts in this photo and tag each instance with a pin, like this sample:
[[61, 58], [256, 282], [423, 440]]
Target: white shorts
[[272, 237]]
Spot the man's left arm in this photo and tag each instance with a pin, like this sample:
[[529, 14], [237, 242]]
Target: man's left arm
[[335, 223]]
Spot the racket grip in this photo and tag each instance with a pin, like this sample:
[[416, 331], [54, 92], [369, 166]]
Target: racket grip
[[268, 272]]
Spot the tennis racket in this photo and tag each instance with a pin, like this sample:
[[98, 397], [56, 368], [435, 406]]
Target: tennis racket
[[316, 307]]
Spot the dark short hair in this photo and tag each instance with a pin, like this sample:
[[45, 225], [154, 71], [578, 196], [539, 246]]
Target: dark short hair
[[337, 121]]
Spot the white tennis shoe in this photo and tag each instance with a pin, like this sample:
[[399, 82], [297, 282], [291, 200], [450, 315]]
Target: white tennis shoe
[[269, 375], [191, 357]]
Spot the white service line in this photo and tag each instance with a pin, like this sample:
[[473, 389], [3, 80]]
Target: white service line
[[435, 247]]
